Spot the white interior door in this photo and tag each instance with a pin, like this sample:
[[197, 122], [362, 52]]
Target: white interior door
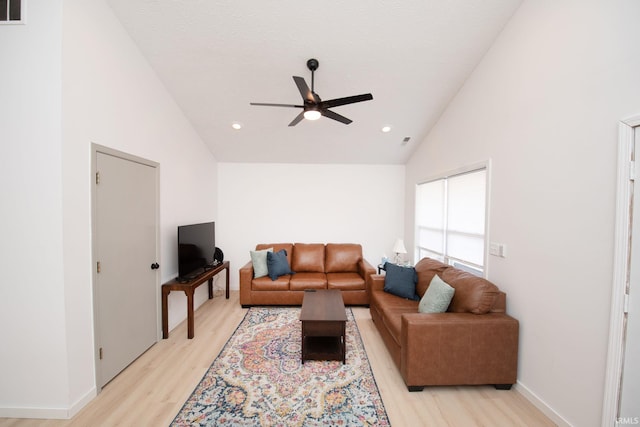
[[125, 245], [630, 386]]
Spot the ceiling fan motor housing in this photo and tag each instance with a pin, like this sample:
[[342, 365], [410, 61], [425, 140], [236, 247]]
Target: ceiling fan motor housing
[[313, 64]]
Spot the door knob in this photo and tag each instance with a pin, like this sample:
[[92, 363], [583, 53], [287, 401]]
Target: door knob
[[155, 266]]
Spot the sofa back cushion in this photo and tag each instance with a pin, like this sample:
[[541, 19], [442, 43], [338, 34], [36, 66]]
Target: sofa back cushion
[[308, 257], [473, 294], [276, 247], [426, 268], [342, 257]]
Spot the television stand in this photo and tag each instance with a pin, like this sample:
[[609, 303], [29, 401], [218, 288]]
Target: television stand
[[189, 288]]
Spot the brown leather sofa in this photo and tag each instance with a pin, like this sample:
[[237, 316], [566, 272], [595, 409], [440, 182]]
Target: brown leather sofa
[[316, 266], [474, 342]]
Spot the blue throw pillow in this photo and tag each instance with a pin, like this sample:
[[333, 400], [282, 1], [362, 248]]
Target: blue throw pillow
[[401, 281], [277, 264]]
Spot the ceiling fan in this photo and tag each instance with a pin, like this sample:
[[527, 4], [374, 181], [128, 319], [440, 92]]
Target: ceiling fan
[[313, 107]]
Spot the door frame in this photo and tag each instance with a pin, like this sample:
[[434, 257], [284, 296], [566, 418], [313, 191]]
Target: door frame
[[95, 149], [622, 251]]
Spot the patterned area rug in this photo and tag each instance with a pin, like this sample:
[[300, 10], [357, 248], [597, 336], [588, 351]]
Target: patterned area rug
[[259, 380]]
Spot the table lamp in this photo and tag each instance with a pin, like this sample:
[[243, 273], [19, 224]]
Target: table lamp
[[399, 248]]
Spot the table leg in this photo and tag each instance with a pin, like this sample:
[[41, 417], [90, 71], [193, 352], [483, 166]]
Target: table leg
[[227, 287], [302, 353], [343, 338], [211, 288], [165, 314], [190, 327]]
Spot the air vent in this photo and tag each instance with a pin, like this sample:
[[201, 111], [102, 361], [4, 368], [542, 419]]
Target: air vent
[[11, 11], [405, 140]]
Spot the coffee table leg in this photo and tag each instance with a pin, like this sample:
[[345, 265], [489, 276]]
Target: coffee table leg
[[302, 346], [344, 343]]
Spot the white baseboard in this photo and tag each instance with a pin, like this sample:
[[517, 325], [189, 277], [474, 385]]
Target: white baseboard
[[38, 413], [541, 405], [49, 413], [80, 403]]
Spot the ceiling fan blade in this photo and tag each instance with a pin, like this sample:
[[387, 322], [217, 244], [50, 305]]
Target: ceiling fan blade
[[335, 116], [348, 100], [306, 93], [276, 105], [297, 120]]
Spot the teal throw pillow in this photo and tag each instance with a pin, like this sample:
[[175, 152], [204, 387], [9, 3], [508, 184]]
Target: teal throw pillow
[[259, 261], [401, 281], [437, 297], [277, 264]]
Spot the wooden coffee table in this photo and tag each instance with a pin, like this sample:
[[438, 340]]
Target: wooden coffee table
[[324, 322]]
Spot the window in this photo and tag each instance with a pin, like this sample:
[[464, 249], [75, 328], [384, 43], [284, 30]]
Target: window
[[450, 219], [11, 11]]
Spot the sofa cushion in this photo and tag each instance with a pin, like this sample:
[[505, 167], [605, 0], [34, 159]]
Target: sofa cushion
[[345, 281], [277, 264], [401, 281], [308, 257], [259, 261], [437, 297], [473, 294], [277, 247], [266, 284], [342, 257], [426, 269], [307, 280], [391, 309]]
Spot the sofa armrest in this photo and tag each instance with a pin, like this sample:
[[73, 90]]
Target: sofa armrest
[[365, 269], [375, 282], [246, 271], [246, 276], [459, 348]]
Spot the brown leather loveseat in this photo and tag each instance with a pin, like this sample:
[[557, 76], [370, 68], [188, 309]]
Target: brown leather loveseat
[[473, 342], [316, 266]]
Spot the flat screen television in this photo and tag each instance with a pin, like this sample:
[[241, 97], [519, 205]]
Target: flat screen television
[[196, 247]]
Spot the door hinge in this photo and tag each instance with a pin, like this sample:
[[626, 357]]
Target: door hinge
[[98, 267], [632, 170], [97, 178], [100, 353]]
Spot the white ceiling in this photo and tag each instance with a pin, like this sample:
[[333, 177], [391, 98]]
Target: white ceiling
[[216, 56]]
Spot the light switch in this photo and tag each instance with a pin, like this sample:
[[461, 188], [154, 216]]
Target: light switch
[[498, 249], [494, 248]]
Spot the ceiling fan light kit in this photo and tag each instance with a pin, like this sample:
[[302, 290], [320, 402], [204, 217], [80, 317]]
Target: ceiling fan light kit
[[313, 107], [312, 114]]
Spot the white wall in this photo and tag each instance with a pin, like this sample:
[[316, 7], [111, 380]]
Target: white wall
[[77, 78], [543, 106], [271, 203], [114, 98], [33, 366]]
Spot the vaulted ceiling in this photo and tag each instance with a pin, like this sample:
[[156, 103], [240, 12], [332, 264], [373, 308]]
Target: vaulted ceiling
[[217, 56]]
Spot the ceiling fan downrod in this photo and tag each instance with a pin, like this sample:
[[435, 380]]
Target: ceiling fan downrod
[[313, 65]]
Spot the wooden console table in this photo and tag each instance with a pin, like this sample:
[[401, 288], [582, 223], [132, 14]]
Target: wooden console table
[[189, 288]]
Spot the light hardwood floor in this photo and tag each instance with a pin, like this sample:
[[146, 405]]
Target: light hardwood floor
[[152, 389]]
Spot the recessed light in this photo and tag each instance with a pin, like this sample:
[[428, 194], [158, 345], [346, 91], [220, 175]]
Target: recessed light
[[236, 126], [386, 129]]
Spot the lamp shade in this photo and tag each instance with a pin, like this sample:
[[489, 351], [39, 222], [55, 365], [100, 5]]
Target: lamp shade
[[399, 247]]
